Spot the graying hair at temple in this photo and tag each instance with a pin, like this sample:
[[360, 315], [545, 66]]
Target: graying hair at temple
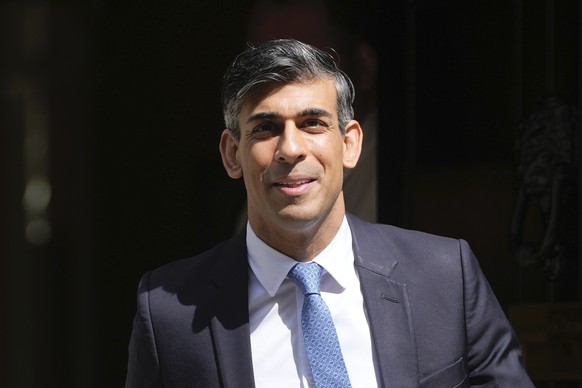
[[277, 63]]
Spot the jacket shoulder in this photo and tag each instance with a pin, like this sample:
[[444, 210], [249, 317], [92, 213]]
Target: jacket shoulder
[[405, 245], [196, 269]]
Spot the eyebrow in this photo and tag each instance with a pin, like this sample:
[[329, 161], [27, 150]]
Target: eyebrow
[[315, 112], [263, 116]]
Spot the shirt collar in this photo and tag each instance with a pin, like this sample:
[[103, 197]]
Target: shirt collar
[[271, 266]]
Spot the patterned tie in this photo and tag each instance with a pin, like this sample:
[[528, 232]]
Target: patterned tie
[[321, 342]]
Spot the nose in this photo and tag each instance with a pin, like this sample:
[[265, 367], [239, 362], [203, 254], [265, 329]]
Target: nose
[[291, 145]]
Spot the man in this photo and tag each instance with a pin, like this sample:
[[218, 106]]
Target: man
[[408, 309]]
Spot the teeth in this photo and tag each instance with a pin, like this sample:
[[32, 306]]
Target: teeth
[[292, 184]]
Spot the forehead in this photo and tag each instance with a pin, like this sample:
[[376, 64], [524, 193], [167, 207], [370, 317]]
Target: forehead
[[292, 98]]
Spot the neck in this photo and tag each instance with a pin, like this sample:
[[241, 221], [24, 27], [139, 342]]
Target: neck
[[301, 240]]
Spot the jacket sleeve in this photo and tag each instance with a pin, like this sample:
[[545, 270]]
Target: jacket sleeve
[[143, 369], [494, 353]]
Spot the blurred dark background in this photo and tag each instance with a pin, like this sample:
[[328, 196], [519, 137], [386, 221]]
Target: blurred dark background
[[109, 166]]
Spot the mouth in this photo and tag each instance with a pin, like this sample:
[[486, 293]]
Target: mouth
[[293, 187], [293, 183]]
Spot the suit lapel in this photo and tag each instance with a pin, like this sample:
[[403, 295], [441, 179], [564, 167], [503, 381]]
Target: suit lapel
[[387, 306], [229, 325], [233, 354]]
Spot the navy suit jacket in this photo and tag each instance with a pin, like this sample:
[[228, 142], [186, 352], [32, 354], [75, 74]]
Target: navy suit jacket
[[433, 317]]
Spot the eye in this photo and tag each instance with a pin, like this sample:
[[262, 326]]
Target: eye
[[265, 127], [315, 124]]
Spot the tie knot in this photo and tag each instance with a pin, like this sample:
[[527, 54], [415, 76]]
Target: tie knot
[[307, 276]]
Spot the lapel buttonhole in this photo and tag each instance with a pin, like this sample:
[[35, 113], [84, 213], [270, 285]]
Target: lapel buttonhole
[[390, 298]]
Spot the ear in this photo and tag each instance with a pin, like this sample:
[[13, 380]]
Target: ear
[[353, 138], [228, 151]]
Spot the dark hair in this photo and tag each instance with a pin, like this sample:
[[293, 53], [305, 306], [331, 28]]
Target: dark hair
[[277, 63]]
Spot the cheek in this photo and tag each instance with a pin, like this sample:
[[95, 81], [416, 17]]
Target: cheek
[[259, 157], [329, 153]]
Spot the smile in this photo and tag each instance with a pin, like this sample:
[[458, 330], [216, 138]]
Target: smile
[[293, 188], [293, 183]]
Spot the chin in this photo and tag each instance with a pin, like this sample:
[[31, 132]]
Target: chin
[[301, 214]]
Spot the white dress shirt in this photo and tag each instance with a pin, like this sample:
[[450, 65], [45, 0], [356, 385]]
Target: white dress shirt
[[275, 304]]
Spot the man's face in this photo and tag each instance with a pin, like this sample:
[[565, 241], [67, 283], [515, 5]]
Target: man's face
[[292, 155]]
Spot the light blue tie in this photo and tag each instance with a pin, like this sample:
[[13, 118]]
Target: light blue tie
[[321, 342]]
